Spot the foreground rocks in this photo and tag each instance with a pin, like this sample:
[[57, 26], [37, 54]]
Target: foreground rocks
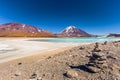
[[99, 61]]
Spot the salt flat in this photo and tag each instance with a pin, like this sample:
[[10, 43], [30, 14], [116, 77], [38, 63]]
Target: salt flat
[[11, 49]]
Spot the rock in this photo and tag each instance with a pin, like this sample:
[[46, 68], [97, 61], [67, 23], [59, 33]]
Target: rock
[[96, 49], [102, 66], [100, 62], [81, 48], [71, 74], [19, 63], [105, 65], [93, 69], [17, 73], [98, 54], [105, 43], [39, 78], [112, 57], [32, 79], [97, 62], [91, 64], [34, 75], [102, 58]]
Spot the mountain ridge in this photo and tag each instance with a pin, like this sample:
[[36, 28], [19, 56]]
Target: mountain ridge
[[15, 29]]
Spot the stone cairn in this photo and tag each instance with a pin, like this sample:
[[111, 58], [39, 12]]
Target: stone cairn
[[97, 61]]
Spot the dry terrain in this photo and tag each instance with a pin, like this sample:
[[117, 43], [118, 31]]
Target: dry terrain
[[98, 61]]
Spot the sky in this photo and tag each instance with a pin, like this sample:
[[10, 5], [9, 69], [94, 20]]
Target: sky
[[93, 16]]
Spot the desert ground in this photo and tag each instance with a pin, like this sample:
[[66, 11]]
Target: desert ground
[[59, 61]]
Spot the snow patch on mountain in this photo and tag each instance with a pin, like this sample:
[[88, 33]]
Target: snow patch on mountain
[[74, 32]]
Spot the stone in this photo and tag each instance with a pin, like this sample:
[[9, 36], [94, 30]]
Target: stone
[[102, 66], [102, 58], [112, 57], [97, 62], [32, 79], [97, 50], [91, 64], [93, 69], [96, 45], [39, 78], [19, 63], [100, 62], [81, 48], [98, 54], [71, 74], [17, 73], [34, 75], [105, 43], [105, 65]]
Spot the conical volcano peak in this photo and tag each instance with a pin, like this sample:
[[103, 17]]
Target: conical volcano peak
[[73, 31], [69, 27]]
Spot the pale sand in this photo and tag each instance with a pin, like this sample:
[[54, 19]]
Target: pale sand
[[14, 49]]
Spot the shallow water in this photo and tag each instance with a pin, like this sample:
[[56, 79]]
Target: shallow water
[[81, 40]]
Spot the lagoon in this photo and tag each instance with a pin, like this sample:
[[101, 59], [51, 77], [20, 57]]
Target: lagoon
[[76, 40]]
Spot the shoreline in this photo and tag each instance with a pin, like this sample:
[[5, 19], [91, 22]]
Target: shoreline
[[35, 57], [41, 53], [20, 48]]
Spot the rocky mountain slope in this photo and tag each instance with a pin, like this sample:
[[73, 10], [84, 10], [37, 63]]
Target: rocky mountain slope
[[15, 29], [73, 31]]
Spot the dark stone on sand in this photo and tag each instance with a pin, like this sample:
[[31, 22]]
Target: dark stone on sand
[[19, 63], [81, 48], [34, 75]]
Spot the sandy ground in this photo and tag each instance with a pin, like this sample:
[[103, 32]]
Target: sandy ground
[[69, 64], [16, 48]]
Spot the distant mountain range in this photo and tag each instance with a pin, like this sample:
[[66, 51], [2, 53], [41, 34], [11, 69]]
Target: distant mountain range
[[15, 29], [113, 35]]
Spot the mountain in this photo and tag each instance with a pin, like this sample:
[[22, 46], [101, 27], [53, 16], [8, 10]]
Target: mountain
[[15, 29], [72, 31], [113, 35]]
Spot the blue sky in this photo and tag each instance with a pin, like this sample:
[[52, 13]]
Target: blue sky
[[93, 16]]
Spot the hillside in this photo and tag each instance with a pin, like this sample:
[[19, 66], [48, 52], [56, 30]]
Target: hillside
[[15, 29]]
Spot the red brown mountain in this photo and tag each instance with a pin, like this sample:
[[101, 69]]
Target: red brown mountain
[[73, 31], [15, 29]]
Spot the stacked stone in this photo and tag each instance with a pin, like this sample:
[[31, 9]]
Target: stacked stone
[[97, 61]]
